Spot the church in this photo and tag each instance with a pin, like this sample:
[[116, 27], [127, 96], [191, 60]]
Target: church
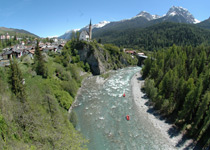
[[85, 35]]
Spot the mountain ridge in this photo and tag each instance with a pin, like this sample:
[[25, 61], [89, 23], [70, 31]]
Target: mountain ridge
[[204, 24], [144, 19], [13, 31]]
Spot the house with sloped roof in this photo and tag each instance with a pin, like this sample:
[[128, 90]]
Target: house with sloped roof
[[84, 36]]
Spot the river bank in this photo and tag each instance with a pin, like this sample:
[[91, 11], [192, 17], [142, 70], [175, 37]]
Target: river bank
[[174, 138]]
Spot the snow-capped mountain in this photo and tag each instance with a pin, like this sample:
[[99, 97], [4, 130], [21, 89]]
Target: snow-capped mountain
[[99, 25], [181, 12], [186, 16], [67, 34], [141, 20], [147, 15]]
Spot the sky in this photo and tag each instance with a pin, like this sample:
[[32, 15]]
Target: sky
[[55, 17]]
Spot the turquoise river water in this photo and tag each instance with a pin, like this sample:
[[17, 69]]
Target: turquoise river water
[[102, 110]]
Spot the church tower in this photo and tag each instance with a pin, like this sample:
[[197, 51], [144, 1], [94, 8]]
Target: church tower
[[90, 31]]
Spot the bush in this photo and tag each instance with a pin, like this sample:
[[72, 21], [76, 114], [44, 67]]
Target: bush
[[27, 60], [150, 89], [73, 118], [71, 87], [64, 99], [75, 72], [3, 127], [87, 67], [112, 48]]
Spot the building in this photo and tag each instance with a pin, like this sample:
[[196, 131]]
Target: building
[[3, 37], [85, 35], [8, 36]]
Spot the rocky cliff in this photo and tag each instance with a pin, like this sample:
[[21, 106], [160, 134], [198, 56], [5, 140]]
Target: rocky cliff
[[103, 57]]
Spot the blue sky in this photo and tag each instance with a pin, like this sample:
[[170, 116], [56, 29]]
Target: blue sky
[[54, 17]]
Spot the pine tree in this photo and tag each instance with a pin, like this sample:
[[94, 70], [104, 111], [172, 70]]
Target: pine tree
[[201, 110], [187, 106], [205, 125], [16, 81], [39, 62]]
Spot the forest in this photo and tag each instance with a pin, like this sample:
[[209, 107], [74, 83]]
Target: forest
[[178, 85], [157, 36]]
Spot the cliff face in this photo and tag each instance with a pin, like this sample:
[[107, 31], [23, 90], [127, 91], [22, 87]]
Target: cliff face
[[102, 59], [94, 57]]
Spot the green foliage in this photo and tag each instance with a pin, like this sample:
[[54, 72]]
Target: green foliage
[[155, 37], [146, 68], [73, 118], [112, 49], [105, 75], [180, 78], [150, 89], [42, 121], [109, 56], [3, 127], [87, 67], [64, 99], [39, 62], [16, 81], [71, 87], [75, 72]]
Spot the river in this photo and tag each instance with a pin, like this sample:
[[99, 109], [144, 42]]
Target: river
[[102, 110]]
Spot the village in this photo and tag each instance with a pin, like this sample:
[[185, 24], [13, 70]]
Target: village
[[55, 46], [23, 49]]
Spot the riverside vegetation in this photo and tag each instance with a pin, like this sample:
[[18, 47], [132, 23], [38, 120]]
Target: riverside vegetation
[[36, 94], [178, 85]]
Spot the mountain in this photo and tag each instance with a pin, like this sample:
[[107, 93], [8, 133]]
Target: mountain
[[20, 32], [180, 15], [157, 36], [204, 24], [147, 15], [67, 34], [142, 20], [99, 25]]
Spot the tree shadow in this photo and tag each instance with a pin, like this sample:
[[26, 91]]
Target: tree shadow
[[191, 146], [144, 97], [173, 132], [154, 112], [140, 79]]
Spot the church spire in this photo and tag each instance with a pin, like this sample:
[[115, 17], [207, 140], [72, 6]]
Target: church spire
[[90, 30], [90, 23]]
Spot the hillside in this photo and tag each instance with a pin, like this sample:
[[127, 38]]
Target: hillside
[[157, 36], [19, 32], [39, 119], [204, 24]]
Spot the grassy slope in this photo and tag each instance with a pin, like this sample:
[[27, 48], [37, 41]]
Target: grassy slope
[[40, 123]]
